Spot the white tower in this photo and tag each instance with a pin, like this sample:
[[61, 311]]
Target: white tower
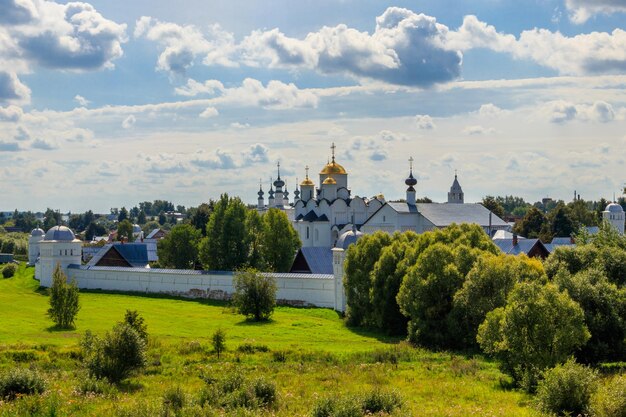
[[261, 201], [36, 236], [279, 199], [614, 214], [455, 196], [410, 182], [308, 187], [59, 247]]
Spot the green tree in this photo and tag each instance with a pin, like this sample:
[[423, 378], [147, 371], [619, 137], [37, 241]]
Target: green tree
[[359, 263], [604, 305], [281, 241], [492, 205], [94, 229], [487, 287], [64, 305], [51, 218], [117, 355], [561, 223], [162, 218], [200, 215], [255, 294], [141, 217], [123, 215], [255, 228], [538, 328], [219, 341], [566, 389], [531, 224], [125, 231], [134, 320], [225, 246], [179, 249]]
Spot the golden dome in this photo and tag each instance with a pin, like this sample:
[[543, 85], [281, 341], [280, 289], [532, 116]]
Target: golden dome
[[307, 181], [333, 168], [329, 180]]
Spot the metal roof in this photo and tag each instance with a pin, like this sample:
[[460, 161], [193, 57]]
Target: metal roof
[[560, 241], [442, 215], [319, 259], [523, 245], [135, 254]]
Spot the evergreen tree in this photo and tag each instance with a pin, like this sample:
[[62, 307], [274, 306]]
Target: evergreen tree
[[63, 300]]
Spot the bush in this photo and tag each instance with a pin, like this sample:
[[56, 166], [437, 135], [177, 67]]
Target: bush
[[63, 300], [93, 386], [265, 392], [255, 294], [134, 320], [174, 398], [566, 389], [372, 403], [21, 381], [234, 391], [219, 341], [9, 270], [116, 355], [610, 399]]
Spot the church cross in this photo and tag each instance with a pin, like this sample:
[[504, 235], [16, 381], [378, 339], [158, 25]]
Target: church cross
[[306, 168], [411, 163], [332, 147]]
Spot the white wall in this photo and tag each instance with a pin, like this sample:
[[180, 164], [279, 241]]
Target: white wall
[[296, 289]]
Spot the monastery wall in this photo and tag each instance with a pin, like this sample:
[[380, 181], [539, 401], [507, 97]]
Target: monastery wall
[[293, 289]]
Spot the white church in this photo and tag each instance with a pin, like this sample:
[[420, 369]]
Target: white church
[[321, 214]]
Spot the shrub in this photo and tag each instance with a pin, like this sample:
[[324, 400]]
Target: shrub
[[234, 391], [174, 398], [566, 389], [279, 356], [21, 381], [372, 403], [134, 320], [9, 270], [252, 348], [610, 399], [90, 385], [255, 294], [219, 341], [376, 402], [265, 392], [190, 347], [63, 300], [116, 355]]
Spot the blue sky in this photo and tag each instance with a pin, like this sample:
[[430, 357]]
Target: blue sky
[[108, 103]]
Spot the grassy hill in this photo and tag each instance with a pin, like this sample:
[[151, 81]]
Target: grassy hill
[[308, 353]]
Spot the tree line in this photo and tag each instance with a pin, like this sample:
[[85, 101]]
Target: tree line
[[454, 289]]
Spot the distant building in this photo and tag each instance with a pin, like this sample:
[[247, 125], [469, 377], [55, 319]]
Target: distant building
[[533, 248], [614, 214]]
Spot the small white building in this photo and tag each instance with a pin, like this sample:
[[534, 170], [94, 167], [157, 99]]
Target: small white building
[[614, 214], [58, 247], [36, 236]]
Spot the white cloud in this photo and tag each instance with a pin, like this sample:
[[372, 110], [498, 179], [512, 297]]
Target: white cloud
[[424, 122], [194, 88], [276, 95], [9, 147], [217, 160], [129, 122], [602, 111], [43, 144], [209, 112], [490, 110], [81, 100], [561, 111], [12, 90], [257, 153], [478, 130], [237, 125], [582, 10], [11, 113], [22, 134]]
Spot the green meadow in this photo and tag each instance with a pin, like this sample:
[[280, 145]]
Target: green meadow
[[309, 354]]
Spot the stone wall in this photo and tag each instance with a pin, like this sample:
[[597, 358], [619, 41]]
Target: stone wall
[[293, 289]]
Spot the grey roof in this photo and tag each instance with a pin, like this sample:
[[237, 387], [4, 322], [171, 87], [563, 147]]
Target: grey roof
[[403, 207], [312, 217], [560, 241], [37, 232], [135, 254], [442, 215], [523, 245], [151, 247], [60, 233], [592, 230], [614, 208], [347, 239], [319, 259], [152, 233]]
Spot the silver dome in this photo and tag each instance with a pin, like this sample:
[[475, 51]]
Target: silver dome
[[37, 232], [347, 239], [60, 233], [614, 208]]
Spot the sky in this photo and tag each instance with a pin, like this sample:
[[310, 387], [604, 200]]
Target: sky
[[109, 103]]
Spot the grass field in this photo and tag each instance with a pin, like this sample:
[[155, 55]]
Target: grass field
[[310, 355]]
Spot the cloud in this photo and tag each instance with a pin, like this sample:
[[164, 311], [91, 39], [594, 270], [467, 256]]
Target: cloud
[[581, 10], [71, 36], [194, 88], [378, 155], [11, 113], [43, 144], [9, 147], [22, 134], [478, 130], [218, 160], [490, 110], [209, 112], [276, 95], [405, 49], [561, 111], [602, 111], [12, 89], [237, 125], [424, 122], [129, 122], [255, 154], [17, 12], [81, 100]]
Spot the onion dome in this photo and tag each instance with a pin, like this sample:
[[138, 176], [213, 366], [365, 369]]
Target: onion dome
[[261, 193], [60, 233], [37, 232], [285, 192], [279, 183], [333, 168], [307, 180], [271, 191], [329, 181], [614, 208], [411, 181], [296, 193]]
